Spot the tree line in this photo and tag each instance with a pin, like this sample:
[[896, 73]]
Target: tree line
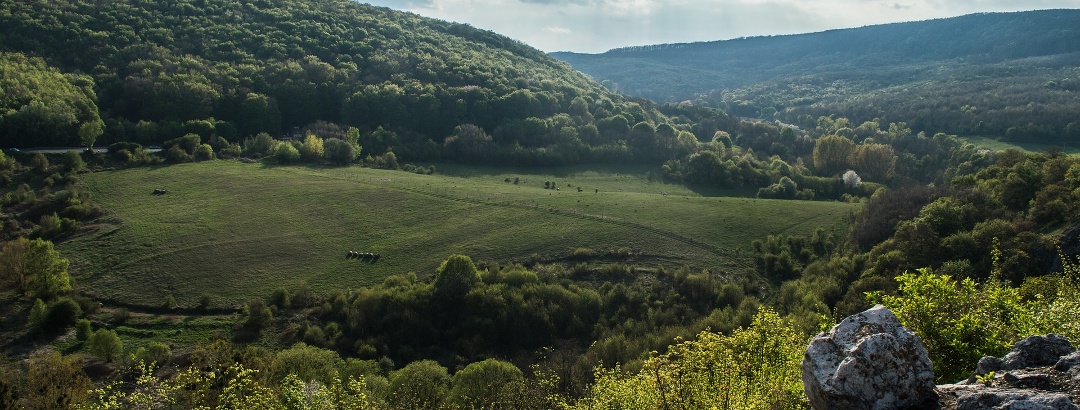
[[231, 70]]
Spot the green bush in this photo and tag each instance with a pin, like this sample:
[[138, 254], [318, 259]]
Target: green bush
[[1055, 311], [482, 384], [62, 313], [339, 152], [753, 368], [959, 321], [260, 145], [421, 384], [204, 152], [38, 314], [105, 344], [155, 353], [82, 330], [286, 154]]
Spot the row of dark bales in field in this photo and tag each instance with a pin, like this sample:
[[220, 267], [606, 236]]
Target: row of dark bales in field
[[363, 256]]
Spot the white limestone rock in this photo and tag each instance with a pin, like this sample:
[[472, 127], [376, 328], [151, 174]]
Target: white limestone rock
[[868, 361]]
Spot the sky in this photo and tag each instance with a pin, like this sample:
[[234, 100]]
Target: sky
[[595, 26]]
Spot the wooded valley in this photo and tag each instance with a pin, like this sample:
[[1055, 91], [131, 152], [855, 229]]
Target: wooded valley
[[325, 204]]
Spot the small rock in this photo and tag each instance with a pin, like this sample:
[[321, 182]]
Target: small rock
[[1037, 351], [1068, 363], [868, 361], [1031, 380], [989, 364]]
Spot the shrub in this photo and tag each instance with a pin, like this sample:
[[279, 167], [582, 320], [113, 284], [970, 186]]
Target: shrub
[[82, 330], [120, 316], [49, 226], [177, 155], [204, 152], [62, 313], [959, 321], [1055, 311], [229, 151], [73, 162], [286, 154], [105, 344], [260, 145], [312, 149], [421, 384], [483, 384], [280, 298], [258, 315], [340, 152], [39, 163], [753, 368], [307, 363], [156, 352], [38, 314], [169, 303]]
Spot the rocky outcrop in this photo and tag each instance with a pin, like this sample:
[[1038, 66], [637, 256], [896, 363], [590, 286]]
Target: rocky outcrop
[[1040, 372], [868, 361], [1037, 351], [969, 397]]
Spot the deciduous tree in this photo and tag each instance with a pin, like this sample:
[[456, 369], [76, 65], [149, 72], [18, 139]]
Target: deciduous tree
[[54, 381], [105, 344], [832, 154], [45, 271], [455, 277]]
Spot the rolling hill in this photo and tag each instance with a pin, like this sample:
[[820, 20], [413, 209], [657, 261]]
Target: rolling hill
[[990, 73], [235, 231]]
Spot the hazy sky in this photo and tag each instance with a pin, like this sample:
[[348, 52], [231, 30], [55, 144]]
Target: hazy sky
[[599, 25]]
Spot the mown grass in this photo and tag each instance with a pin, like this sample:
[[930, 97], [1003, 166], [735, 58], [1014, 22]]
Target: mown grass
[[233, 231]]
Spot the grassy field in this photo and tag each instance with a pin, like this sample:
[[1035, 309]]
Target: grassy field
[[997, 144], [233, 231]]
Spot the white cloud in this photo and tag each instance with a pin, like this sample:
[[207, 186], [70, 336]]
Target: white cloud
[[558, 30], [599, 25]]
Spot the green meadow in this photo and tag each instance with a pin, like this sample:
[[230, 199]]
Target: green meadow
[[232, 231], [997, 144]]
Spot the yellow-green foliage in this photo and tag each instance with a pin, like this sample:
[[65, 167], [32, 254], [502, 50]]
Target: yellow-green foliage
[[959, 321], [34, 266], [1056, 312], [962, 321], [754, 368], [242, 389]]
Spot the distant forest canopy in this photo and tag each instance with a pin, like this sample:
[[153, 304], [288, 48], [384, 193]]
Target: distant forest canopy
[[1003, 74], [233, 69]]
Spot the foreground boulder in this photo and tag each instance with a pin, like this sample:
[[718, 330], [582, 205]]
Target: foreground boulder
[[868, 361], [1040, 372]]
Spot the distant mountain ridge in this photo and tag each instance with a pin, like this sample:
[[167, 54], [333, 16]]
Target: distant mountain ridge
[[979, 38], [1005, 74]]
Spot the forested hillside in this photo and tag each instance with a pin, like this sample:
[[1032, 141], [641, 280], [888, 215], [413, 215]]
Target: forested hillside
[[1002, 74], [232, 69]]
